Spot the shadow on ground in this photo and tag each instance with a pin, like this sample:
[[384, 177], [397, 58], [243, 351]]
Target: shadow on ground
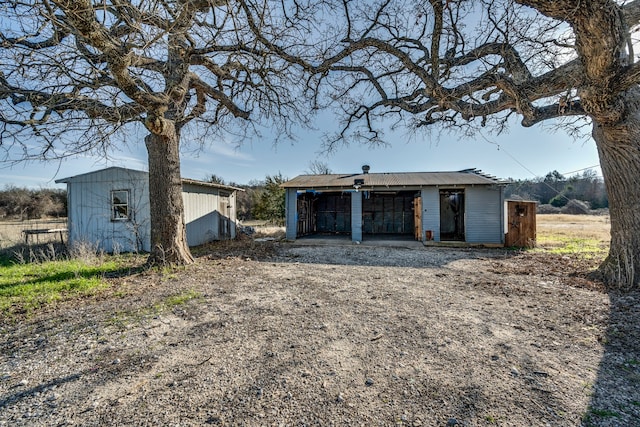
[[616, 393]]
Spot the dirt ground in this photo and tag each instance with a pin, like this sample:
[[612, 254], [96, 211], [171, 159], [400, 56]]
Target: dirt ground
[[283, 334]]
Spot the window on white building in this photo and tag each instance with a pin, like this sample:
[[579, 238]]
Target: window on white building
[[120, 205]]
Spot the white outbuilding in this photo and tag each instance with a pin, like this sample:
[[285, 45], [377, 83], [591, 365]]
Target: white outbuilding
[[109, 209]]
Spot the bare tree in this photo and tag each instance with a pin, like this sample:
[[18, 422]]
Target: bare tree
[[76, 74], [317, 167], [455, 65]]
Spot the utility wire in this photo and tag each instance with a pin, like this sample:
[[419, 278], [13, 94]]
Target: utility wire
[[499, 147]]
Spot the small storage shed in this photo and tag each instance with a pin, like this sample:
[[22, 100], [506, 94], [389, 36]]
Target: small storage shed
[[109, 208], [520, 227], [463, 206]]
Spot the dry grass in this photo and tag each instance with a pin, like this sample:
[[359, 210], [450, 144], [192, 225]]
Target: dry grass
[[266, 229], [586, 234], [11, 231]]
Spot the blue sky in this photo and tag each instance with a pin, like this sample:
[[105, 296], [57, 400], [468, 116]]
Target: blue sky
[[521, 153]]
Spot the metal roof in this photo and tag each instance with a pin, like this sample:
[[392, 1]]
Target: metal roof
[[113, 168], [210, 184], [397, 179]]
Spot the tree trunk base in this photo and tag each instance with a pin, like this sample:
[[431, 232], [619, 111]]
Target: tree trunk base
[[617, 272], [161, 258]]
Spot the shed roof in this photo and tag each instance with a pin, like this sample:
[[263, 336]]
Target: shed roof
[[393, 179], [79, 177]]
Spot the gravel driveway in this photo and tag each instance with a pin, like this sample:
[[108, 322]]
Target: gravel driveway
[[280, 334]]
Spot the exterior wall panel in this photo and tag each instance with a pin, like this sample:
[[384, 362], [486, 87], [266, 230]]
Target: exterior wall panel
[[200, 214], [291, 214], [356, 216], [431, 213], [483, 222], [90, 211]]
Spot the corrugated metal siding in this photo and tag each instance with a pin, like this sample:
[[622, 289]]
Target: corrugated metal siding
[[431, 212], [233, 214], [356, 216], [201, 215], [209, 213], [483, 215], [90, 210], [291, 213]]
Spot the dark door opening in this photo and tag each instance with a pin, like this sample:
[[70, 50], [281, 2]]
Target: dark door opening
[[323, 213], [388, 213], [452, 215]]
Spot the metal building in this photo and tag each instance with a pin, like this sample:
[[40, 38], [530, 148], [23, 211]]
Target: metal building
[[109, 209], [464, 206]]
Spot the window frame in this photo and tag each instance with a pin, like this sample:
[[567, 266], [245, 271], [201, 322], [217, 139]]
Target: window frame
[[116, 208]]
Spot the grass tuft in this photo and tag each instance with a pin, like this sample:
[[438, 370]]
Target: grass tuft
[[180, 299]]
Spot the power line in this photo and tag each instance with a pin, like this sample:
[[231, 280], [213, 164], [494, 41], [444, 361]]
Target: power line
[[511, 156], [583, 169], [558, 193]]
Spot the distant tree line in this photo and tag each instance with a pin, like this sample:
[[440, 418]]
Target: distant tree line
[[557, 190], [18, 203], [261, 199]]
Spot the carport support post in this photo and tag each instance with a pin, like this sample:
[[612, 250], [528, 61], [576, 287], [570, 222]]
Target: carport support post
[[291, 213], [356, 216]]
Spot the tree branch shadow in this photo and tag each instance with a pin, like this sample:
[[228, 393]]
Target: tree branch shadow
[[615, 399]]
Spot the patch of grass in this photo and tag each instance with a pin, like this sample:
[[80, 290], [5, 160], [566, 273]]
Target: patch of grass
[[180, 299], [26, 287], [584, 235], [562, 245]]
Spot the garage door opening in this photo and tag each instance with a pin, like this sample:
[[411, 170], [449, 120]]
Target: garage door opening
[[324, 214], [388, 213]]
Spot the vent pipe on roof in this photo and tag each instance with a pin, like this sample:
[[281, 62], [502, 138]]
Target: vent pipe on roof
[[365, 168]]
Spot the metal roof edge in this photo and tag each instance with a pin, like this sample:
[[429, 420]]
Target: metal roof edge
[[69, 178], [183, 180], [210, 184]]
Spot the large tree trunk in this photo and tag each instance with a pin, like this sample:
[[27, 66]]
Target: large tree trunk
[[619, 150], [168, 234]]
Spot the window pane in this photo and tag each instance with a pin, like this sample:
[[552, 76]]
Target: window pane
[[120, 197], [120, 204], [120, 212]]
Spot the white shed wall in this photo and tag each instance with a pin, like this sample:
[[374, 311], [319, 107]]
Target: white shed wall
[[291, 213], [90, 217], [209, 214], [356, 216], [90, 210]]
